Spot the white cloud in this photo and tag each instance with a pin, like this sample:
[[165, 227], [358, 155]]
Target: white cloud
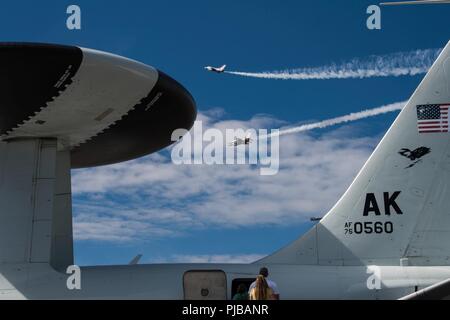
[[217, 258], [110, 220], [151, 197]]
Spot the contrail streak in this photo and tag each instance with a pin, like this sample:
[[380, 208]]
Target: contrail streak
[[391, 65], [339, 120]]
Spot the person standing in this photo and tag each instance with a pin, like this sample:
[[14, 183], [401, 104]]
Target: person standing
[[242, 293], [264, 272], [261, 290]]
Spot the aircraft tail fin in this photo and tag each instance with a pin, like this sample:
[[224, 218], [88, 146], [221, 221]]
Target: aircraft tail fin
[[396, 211]]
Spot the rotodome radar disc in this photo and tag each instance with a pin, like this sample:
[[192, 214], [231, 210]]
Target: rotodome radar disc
[[103, 107]]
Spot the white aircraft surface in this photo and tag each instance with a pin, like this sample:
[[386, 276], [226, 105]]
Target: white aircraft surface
[[388, 237], [217, 70], [238, 141]]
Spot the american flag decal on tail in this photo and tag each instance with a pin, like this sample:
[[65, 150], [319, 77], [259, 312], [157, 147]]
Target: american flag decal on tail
[[432, 118]]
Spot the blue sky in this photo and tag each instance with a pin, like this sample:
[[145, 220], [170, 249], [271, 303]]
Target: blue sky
[[180, 37]]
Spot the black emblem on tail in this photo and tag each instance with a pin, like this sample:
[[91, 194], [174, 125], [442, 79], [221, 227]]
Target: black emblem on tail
[[415, 155]]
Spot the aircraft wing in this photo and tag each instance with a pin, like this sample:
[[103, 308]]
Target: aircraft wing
[[438, 291], [135, 260]]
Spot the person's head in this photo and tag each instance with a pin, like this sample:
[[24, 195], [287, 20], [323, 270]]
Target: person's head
[[242, 288], [264, 272]]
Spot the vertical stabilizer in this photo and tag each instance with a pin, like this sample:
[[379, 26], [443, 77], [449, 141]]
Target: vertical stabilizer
[[397, 210]]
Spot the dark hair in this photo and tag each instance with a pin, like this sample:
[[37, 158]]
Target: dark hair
[[264, 272], [242, 288]]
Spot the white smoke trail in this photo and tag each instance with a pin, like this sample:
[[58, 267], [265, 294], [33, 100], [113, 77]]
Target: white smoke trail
[[339, 120], [395, 65]]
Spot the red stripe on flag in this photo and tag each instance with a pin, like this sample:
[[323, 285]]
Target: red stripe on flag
[[429, 127], [429, 122]]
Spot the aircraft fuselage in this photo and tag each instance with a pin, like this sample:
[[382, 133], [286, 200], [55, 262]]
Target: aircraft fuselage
[[169, 281]]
